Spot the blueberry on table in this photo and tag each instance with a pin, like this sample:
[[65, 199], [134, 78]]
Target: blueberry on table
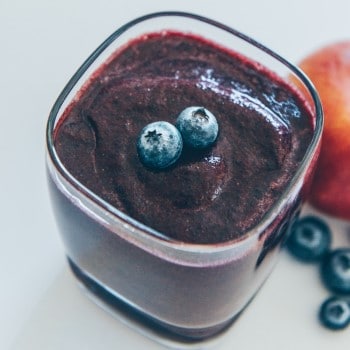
[[159, 145], [335, 270], [335, 313], [310, 239], [198, 127]]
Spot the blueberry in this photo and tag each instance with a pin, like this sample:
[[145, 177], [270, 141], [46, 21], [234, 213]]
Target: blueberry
[[335, 313], [159, 145], [335, 270], [198, 127], [310, 239]]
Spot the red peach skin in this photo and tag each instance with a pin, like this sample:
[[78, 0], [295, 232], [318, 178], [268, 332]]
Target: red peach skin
[[329, 70]]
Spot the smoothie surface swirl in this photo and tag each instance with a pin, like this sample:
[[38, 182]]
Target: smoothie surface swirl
[[209, 196]]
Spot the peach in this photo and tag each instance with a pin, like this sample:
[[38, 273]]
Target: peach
[[329, 70]]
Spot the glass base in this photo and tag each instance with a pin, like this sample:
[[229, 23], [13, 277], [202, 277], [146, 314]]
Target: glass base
[[166, 334]]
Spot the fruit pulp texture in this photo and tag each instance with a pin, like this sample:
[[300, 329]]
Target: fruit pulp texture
[[209, 196]]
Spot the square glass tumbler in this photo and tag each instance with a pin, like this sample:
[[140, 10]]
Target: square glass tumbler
[[184, 291]]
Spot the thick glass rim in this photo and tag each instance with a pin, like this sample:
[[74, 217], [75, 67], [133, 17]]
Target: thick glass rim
[[147, 235]]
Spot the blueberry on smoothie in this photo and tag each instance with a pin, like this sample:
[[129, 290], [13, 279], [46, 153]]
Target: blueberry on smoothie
[[159, 145], [310, 239], [335, 270], [335, 313], [198, 127]]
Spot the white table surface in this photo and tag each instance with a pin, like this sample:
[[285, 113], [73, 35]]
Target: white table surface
[[42, 43]]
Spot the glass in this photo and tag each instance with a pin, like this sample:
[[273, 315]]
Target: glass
[[177, 291]]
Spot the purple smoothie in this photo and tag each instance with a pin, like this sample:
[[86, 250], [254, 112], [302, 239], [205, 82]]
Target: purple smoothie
[[208, 197], [183, 301], [178, 246]]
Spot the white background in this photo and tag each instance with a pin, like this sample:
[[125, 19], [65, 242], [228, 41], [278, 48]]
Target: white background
[[42, 43]]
